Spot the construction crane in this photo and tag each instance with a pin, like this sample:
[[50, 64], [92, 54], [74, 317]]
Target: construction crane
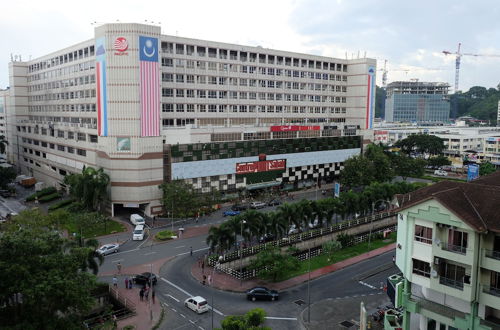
[[457, 61], [385, 71]]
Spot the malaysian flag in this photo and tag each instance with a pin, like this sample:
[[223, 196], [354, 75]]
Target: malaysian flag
[[150, 86]]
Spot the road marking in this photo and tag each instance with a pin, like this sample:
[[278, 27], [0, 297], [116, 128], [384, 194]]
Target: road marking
[[143, 242], [174, 310], [368, 285], [184, 316], [178, 247], [118, 253], [201, 328], [281, 318], [114, 261], [149, 253], [181, 254], [173, 298], [191, 322], [188, 294]]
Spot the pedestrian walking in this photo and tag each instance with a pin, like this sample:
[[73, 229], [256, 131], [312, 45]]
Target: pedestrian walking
[[130, 283], [393, 259], [204, 279], [119, 267], [115, 281], [115, 323], [191, 251], [209, 279], [126, 282], [146, 294], [203, 266], [199, 262], [153, 295], [141, 294]]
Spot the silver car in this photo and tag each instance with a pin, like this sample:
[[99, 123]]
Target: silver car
[[108, 248]]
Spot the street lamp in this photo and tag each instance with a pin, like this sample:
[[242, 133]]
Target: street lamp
[[371, 219], [241, 252], [309, 287], [211, 284]]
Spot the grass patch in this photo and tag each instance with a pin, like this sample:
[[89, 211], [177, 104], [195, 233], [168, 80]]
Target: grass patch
[[98, 228], [48, 198], [164, 235], [343, 254], [442, 178], [43, 192], [60, 204]]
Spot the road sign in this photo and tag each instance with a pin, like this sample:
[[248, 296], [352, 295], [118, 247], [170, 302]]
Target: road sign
[[336, 191], [472, 172]]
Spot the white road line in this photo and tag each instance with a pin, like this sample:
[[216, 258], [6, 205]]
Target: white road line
[[184, 316], [216, 311], [201, 328], [281, 318], [173, 298], [177, 287], [114, 261], [149, 253], [178, 247], [181, 254], [191, 322], [368, 285], [174, 310], [118, 253], [143, 242]]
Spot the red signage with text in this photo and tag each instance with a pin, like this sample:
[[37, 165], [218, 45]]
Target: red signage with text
[[292, 128], [263, 166]]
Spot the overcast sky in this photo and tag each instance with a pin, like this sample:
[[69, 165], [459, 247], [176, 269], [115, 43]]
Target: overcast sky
[[410, 35]]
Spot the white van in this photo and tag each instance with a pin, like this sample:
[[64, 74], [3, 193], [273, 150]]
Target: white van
[[136, 219], [138, 233]]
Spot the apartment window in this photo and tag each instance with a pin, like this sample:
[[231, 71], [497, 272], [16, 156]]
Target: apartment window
[[93, 138], [71, 150], [60, 147], [423, 234], [421, 268], [167, 92], [179, 78], [190, 93], [81, 152], [71, 135], [167, 62], [457, 241], [167, 107], [212, 94], [167, 77], [453, 275], [179, 107], [81, 137], [190, 79], [60, 133]]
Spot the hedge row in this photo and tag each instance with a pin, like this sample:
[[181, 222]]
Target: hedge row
[[164, 235], [60, 204], [43, 192], [48, 198]]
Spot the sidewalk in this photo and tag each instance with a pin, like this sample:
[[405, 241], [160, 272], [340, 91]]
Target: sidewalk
[[225, 282]]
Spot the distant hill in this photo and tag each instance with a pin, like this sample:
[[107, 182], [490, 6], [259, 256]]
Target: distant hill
[[479, 102]]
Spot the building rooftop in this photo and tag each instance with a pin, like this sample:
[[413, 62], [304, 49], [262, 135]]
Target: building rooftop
[[474, 202]]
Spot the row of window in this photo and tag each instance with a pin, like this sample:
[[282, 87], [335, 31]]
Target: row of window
[[249, 69], [61, 59], [74, 95], [83, 80], [243, 56], [214, 80], [180, 107], [68, 149], [234, 95], [87, 107], [51, 167], [67, 70]]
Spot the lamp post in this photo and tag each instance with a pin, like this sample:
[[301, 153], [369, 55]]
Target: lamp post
[[371, 219], [241, 252], [211, 284], [172, 214], [309, 287]]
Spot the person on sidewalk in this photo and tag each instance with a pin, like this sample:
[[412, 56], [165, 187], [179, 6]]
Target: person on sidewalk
[[130, 284], [126, 282], [153, 295], [141, 294], [119, 267], [191, 251], [115, 281], [146, 294]]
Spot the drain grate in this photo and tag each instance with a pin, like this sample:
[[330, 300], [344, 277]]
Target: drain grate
[[346, 324], [299, 302]]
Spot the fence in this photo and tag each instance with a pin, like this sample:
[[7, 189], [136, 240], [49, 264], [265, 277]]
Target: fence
[[302, 256], [295, 238]]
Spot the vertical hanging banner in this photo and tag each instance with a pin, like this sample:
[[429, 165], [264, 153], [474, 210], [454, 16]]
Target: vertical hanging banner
[[370, 98], [102, 102], [150, 86]]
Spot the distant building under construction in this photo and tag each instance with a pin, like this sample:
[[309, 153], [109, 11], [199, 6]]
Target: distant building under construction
[[415, 101]]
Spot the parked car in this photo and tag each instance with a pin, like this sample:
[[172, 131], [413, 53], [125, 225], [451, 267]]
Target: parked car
[[230, 213], [267, 238], [258, 205], [239, 207], [5, 193], [197, 304], [293, 230], [440, 173], [108, 248], [314, 224], [145, 278], [274, 202], [262, 293]]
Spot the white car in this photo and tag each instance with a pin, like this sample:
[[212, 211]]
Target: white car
[[258, 205], [197, 304], [108, 248], [136, 219], [440, 173]]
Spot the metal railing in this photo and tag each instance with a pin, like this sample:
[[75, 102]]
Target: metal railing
[[454, 248], [296, 238], [495, 291], [494, 254], [437, 308], [451, 283]]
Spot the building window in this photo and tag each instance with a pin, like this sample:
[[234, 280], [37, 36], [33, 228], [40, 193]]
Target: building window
[[421, 268], [457, 241], [423, 234], [81, 152], [453, 276]]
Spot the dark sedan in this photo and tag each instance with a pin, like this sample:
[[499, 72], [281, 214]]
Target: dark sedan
[[274, 202], [262, 293], [145, 278]]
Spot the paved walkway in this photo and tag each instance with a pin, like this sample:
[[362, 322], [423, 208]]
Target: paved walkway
[[225, 282]]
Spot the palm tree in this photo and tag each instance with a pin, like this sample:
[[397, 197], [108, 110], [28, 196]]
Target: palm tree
[[275, 224], [213, 238], [3, 144], [287, 214], [89, 187]]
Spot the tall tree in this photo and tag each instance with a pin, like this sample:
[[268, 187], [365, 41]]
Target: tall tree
[[179, 198], [7, 174], [89, 187], [272, 263], [486, 168], [405, 166]]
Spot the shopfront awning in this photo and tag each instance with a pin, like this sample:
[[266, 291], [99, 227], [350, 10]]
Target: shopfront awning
[[263, 185]]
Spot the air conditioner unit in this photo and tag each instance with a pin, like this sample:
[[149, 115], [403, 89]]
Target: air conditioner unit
[[434, 273], [437, 241], [437, 260]]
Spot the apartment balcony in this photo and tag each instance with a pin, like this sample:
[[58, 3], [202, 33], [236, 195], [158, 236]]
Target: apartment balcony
[[451, 283], [489, 296], [430, 308], [457, 253], [455, 248], [490, 259]]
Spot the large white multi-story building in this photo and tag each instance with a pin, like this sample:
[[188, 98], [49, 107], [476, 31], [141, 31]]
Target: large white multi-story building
[[149, 107]]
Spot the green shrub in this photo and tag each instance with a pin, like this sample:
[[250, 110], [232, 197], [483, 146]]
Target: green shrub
[[60, 204], [49, 198], [43, 192], [164, 235]]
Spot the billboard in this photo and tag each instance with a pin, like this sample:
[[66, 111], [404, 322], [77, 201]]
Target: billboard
[[262, 166], [102, 102], [472, 172], [294, 128], [149, 72]]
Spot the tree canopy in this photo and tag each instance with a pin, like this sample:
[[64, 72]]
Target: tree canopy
[[7, 174], [479, 102], [272, 263], [3, 144], [89, 187], [252, 320], [179, 198], [486, 168], [420, 144]]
